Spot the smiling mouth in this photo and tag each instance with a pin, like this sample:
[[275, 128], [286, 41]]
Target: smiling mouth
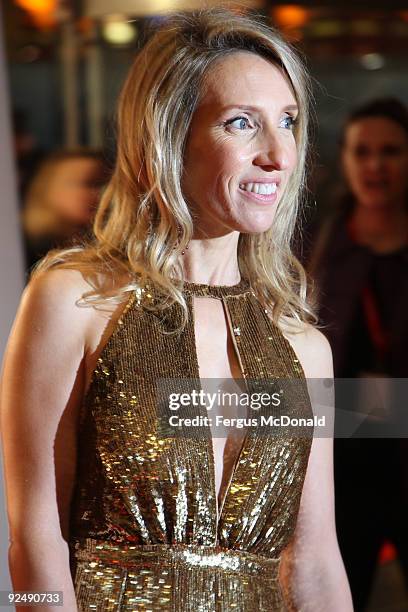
[[265, 189]]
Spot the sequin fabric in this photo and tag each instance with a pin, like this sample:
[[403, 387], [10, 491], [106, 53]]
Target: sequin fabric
[[145, 530]]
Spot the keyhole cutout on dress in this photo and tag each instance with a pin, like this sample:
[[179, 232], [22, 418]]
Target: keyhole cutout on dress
[[219, 369]]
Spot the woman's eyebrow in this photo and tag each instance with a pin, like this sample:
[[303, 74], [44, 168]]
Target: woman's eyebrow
[[258, 109], [291, 107]]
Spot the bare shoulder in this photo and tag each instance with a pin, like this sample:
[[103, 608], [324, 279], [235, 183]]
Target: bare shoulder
[[58, 290], [53, 315], [55, 299], [55, 292], [311, 346]]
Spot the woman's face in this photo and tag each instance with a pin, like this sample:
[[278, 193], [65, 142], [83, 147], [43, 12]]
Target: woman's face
[[241, 148], [74, 189], [375, 162]]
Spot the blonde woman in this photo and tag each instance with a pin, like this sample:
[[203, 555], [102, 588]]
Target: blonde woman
[[190, 276], [61, 200]]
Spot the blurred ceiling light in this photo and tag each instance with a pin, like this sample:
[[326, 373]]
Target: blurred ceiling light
[[41, 11], [291, 16], [139, 8], [37, 5], [117, 30], [372, 61]]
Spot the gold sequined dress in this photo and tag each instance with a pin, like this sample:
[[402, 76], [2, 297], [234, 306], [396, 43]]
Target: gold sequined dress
[[146, 532]]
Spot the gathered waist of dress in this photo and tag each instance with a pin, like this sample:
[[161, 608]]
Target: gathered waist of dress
[[186, 556]]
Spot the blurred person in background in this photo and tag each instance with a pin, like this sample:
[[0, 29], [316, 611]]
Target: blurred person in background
[[61, 201], [360, 266]]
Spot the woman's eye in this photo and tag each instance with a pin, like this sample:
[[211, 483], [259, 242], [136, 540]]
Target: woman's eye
[[361, 152], [288, 122], [391, 150], [240, 123]]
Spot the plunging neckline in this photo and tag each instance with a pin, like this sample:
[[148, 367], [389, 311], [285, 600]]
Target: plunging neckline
[[221, 292]]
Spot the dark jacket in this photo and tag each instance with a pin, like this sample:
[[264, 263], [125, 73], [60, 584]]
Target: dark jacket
[[341, 268]]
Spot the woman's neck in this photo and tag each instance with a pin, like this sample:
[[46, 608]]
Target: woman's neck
[[382, 229], [212, 261]]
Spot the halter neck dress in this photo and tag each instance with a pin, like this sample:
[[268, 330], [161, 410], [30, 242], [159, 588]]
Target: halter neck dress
[[146, 532]]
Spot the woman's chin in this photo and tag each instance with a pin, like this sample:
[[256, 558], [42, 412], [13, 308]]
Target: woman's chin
[[256, 226]]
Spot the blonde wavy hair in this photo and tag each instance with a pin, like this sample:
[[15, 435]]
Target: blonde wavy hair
[[143, 221]]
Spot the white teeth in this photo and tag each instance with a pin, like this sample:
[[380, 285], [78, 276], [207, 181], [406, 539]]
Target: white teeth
[[260, 188]]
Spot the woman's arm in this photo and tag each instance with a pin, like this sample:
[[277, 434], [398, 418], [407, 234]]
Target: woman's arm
[[312, 569], [41, 391]]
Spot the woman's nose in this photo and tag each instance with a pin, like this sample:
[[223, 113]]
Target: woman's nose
[[272, 155], [375, 161]]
